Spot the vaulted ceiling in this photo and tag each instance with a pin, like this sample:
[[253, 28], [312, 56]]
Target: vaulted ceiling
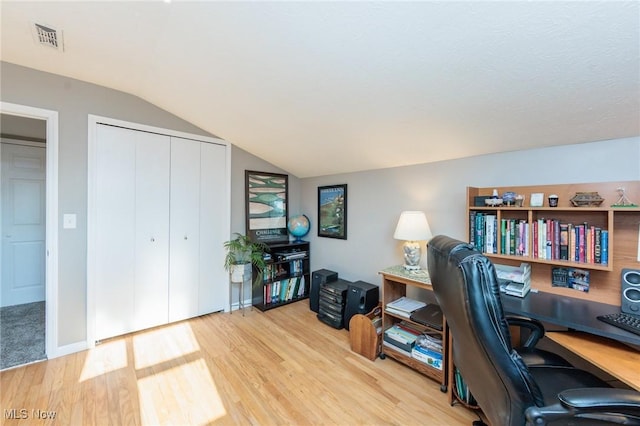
[[321, 88]]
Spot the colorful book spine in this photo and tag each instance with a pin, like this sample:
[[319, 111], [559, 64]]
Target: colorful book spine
[[512, 237], [582, 244], [534, 232], [597, 253], [503, 236], [472, 228], [556, 239], [604, 247], [564, 242]]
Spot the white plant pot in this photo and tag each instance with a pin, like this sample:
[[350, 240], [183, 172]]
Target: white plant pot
[[239, 272]]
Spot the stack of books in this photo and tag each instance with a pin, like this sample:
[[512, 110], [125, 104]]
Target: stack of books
[[404, 306], [428, 349], [401, 337], [514, 280]]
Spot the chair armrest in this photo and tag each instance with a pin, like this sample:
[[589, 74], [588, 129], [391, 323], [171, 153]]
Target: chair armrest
[[535, 327], [611, 404], [600, 399]]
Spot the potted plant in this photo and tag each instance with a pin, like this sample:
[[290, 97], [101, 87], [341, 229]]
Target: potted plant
[[242, 253]]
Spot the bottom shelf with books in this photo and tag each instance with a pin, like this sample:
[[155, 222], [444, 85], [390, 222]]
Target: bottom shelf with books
[[458, 391], [461, 391]]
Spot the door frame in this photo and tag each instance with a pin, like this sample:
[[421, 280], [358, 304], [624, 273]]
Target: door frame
[[51, 233]]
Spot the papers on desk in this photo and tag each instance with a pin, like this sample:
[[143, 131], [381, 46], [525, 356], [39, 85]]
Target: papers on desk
[[404, 306]]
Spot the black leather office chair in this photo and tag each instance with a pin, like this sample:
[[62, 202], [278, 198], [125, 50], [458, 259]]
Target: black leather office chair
[[507, 390], [528, 351]]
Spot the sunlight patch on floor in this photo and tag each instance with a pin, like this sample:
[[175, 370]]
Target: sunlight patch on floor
[[164, 344], [104, 358], [185, 394]]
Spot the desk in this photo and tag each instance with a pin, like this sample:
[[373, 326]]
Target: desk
[[597, 342], [615, 358], [570, 313]]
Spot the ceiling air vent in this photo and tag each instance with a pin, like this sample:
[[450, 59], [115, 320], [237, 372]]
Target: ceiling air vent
[[47, 36]]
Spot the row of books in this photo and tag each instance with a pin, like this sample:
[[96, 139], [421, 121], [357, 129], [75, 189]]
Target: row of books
[[555, 240], [284, 290], [547, 239], [273, 271], [462, 390]]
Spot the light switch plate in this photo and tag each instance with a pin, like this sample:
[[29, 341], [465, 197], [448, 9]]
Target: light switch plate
[[69, 221]]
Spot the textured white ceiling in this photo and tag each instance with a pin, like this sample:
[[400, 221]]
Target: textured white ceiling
[[321, 88]]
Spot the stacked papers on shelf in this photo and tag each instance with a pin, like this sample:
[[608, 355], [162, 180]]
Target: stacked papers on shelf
[[404, 306], [514, 280]]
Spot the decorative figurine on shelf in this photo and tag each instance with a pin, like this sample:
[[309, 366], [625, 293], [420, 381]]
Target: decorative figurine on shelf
[[509, 198], [586, 199], [494, 201], [623, 201]]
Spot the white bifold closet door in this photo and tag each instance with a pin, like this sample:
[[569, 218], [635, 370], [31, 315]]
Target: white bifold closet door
[[132, 230], [197, 171], [161, 204]]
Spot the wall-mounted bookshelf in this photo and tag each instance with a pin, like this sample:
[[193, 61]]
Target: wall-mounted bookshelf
[[620, 226]]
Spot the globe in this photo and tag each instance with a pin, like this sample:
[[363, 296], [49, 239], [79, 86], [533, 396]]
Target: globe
[[298, 226]]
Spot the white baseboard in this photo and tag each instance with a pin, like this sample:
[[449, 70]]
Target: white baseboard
[[236, 306], [68, 349]]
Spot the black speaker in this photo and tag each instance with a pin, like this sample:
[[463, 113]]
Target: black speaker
[[362, 297], [630, 291], [318, 279]]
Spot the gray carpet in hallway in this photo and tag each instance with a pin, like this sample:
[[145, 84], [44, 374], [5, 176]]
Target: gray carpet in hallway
[[22, 332]]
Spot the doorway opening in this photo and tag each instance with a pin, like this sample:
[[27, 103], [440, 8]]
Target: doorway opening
[[28, 217]]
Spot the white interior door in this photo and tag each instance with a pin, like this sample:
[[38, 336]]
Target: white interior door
[[23, 223], [115, 231], [132, 230], [184, 261], [214, 208], [151, 230]]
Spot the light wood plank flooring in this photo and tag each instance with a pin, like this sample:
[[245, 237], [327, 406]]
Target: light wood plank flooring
[[273, 368]]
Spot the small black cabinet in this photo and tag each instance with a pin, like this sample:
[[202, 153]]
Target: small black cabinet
[[285, 279]]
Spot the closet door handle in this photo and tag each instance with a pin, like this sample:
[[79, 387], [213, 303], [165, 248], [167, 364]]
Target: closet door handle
[[185, 237], [152, 240]]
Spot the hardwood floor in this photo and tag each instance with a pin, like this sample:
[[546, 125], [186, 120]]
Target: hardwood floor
[[278, 367]]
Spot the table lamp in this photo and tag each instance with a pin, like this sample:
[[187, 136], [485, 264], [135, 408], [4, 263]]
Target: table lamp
[[412, 227]]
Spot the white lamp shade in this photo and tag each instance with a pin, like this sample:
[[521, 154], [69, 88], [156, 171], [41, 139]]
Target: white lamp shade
[[413, 226]]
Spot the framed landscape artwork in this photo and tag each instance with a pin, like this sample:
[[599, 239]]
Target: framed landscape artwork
[[332, 211], [266, 206]]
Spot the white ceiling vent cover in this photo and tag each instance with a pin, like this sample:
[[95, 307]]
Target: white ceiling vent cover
[[47, 36]]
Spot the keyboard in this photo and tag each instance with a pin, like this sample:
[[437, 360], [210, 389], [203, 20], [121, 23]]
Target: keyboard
[[624, 321]]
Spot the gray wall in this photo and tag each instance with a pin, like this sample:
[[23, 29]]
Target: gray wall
[[74, 100], [376, 198]]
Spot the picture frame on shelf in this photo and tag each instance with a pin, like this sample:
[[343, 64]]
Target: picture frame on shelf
[[332, 211], [537, 199], [267, 198]]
